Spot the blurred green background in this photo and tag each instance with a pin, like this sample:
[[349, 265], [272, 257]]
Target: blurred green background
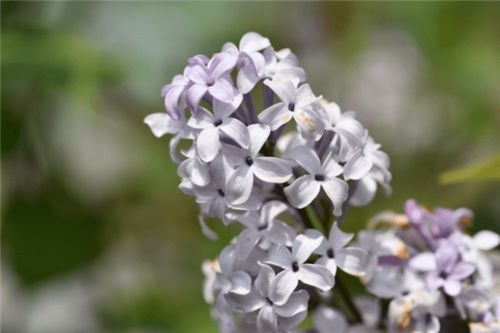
[[96, 237]]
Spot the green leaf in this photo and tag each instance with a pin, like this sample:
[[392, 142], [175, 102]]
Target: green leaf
[[486, 170]]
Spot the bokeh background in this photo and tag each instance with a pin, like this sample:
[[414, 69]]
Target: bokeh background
[[96, 237]]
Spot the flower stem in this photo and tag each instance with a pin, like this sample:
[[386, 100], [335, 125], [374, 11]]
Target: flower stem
[[346, 297]]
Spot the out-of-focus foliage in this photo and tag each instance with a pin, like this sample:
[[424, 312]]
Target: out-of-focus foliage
[[96, 237], [488, 170]]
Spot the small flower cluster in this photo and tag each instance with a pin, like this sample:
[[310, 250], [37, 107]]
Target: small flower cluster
[[431, 272], [286, 172]]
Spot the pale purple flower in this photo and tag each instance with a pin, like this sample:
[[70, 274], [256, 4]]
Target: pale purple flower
[[251, 61], [215, 126], [173, 95], [283, 63], [230, 279], [444, 268], [251, 164], [296, 103], [213, 79], [270, 315], [263, 225], [296, 269], [334, 252], [319, 176], [214, 198]]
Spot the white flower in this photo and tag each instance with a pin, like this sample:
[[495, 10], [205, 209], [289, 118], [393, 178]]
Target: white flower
[[263, 225], [214, 198], [250, 164], [251, 61], [270, 314], [334, 252], [215, 125], [230, 279], [296, 269], [305, 188], [297, 103]]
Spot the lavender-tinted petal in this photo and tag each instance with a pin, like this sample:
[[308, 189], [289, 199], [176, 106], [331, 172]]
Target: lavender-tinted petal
[[245, 303], [462, 270], [272, 169], [296, 303], [223, 91], [252, 41], [283, 87], [302, 191], [336, 189], [357, 166], [424, 262], [237, 131], [316, 276], [208, 144], [276, 115], [258, 136], [283, 286], [194, 95], [304, 246], [240, 185], [267, 320], [352, 260], [452, 287], [264, 279], [337, 238], [246, 241], [307, 159]]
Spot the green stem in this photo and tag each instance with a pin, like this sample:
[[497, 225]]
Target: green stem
[[346, 297]]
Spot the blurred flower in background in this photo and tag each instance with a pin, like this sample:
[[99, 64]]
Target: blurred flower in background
[[95, 234]]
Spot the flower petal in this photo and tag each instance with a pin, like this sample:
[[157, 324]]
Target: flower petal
[[237, 131], [280, 233], [316, 276], [302, 191], [240, 283], [462, 270], [194, 95], [424, 262], [240, 185], [329, 263], [352, 260], [271, 210], [280, 256], [336, 189], [283, 87], [326, 320], [486, 240], [283, 286], [223, 91], [258, 136], [247, 78], [264, 279], [306, 158], [246, 303], [276, 115], [452, 287], [272, 169], [357, 166], [252, 41], [266, 320], [337, 238], [246, 241], [161, 124], [304, 246], [208, 144], [296, 303]]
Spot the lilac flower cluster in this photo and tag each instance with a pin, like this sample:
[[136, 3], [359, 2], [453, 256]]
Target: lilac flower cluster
[[257, 148], [431, 272]]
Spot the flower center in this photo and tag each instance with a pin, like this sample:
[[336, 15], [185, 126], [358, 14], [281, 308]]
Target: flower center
[[269, 301], [221, 193], [295, 266], [443, 275], [291, 107], [262, 226], [330, 253], [217, 122], [249, 160], [319, 178]]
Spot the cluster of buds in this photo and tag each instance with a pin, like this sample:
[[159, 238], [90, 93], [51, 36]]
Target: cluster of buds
[[256, 147]]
